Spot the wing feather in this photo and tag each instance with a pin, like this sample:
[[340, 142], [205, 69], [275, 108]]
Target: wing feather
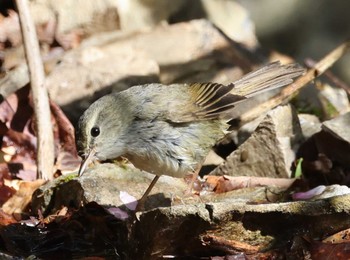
[[181, 103]]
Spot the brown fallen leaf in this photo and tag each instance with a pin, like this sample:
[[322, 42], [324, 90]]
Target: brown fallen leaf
[[67, 159], [329, 251], [340, 237], [18, 136], [6, 191], [59, 214], [20, 200], [6, 219]]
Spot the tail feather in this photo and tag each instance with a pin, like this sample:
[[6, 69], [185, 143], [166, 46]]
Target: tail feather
[[268, 77]]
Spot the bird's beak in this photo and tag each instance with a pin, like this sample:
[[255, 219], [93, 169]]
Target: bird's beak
[[86, 161]]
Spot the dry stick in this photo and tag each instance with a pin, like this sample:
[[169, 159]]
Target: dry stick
[[45, 153], [333, 78], [230, 246], [287, 92]]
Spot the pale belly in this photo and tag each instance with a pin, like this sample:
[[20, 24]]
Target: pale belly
[[162, 165], [163, 148]]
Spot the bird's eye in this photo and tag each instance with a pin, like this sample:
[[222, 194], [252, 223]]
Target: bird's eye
[[95, 131]]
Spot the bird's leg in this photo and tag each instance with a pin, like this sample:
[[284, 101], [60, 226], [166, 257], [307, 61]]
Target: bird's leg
[[193, 179], [145, 195], [154, 181]]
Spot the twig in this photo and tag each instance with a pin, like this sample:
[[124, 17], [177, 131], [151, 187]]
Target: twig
[[226, 183], [337, 81], [229, 246], [45, 153], [291, 89]]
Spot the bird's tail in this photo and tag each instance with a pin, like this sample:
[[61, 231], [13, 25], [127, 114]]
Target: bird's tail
[[271, 76]]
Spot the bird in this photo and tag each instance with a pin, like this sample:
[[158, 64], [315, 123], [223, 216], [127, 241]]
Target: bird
[[169, 129]]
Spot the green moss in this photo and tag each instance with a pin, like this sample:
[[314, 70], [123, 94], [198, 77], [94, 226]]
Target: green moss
[[330, 110], [67, 178]]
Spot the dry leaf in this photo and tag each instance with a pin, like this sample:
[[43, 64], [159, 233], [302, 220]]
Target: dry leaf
[[340, 237], [20, 200], [221, 184]]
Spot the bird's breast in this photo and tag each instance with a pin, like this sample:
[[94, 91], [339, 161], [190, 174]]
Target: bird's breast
[[160, 147]]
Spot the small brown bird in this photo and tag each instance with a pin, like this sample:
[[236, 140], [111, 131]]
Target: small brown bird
[[169, 129]]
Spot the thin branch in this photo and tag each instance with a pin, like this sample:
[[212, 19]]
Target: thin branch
[[333, 78], [45, 153], [319, 68]]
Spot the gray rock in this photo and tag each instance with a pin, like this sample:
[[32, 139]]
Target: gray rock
[[238, 27], [224, 226], [310, 124], [270, 150], [339, 127], [246, 130], [90, 69], [215, 223], [76, 14], [104, 184], [140, 14], [335, 100]]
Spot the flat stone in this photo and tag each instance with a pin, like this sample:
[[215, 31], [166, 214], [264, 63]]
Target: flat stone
[[104, 184], [165, 231], [190, 227]]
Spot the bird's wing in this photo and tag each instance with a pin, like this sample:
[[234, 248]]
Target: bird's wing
[[206, 101], [210, 100]]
